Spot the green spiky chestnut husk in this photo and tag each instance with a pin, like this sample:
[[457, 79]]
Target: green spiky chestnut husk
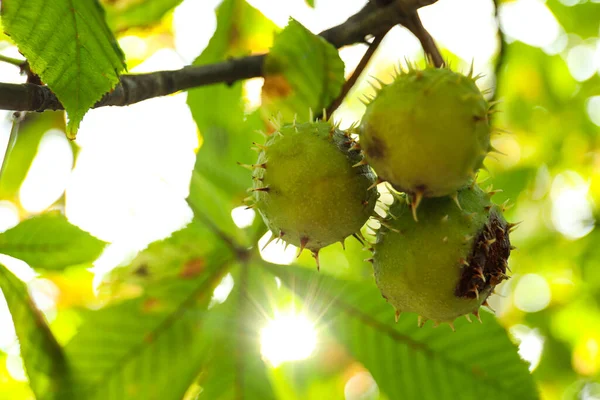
[[448, 263], [311, 186], [427, 133]]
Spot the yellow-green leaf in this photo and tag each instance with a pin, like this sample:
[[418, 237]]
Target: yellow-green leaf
[[69, 45], [303, 71], [49, 241], [42, 356]]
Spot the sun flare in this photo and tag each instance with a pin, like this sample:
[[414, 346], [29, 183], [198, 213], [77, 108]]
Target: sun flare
[[288, 337]]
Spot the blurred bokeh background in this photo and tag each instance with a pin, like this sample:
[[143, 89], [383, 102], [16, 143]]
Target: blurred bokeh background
[[126, 177]]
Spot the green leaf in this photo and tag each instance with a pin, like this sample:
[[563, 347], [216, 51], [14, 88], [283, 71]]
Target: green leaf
[[132, 14], [311, 3], [49, 241], [42, 355], [235, 369], [303, 71], [69, 45], [146, 348], [227, 133], [475, 362]]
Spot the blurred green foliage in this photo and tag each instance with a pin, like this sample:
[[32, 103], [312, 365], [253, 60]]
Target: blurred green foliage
[[155, 327]]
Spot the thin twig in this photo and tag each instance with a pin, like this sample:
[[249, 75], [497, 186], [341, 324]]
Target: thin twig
[[501, 57], [12, 139], [240, 252], [371, 20], [364, 61], [24, 68], [13, 61], [23, 65], [413, 23]]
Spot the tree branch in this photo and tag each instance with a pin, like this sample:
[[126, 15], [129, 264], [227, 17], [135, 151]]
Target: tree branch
[[372, 20]]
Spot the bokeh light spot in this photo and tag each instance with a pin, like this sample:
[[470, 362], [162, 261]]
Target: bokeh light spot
[[590, 391], [361, 386], [532, 293], [580, 61], [571, 208], [592, 106], [516, 17], [586, 356]]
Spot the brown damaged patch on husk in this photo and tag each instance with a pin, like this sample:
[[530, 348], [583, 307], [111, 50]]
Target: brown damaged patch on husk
[[377, 148], [486, 265]]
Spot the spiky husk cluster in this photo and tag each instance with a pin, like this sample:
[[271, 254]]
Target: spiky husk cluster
[[427, 133], [446, 264], [311, 186]]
